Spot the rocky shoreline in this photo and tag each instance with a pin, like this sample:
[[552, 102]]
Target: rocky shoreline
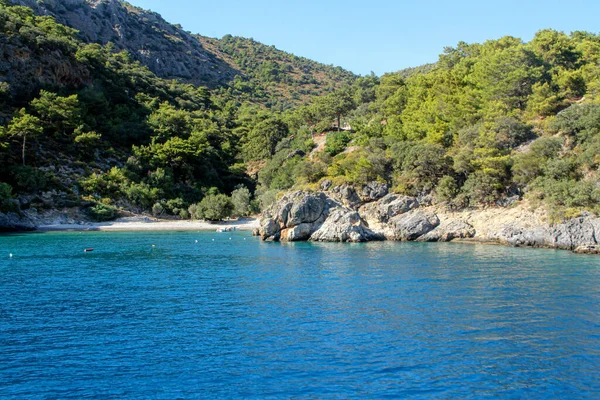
[[371, 212]]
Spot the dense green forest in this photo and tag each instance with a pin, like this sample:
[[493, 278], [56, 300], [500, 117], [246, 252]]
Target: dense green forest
[[487, 124]]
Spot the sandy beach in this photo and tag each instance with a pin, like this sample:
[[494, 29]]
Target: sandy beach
[[153, 224]]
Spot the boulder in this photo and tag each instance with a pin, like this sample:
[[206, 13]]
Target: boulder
[[306, 209], [301, 232], [268, 228], [515, 235], [296, 209], [448, 231], [387, 208], [574, 233], [373, 191], [326, 184], [588, 249], [344, 225], [414, 224], [346, 195]]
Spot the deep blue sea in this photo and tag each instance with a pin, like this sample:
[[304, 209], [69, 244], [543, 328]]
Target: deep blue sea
[[231, 317]]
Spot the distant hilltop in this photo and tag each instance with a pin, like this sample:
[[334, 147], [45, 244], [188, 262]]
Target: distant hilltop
[[173, 53]]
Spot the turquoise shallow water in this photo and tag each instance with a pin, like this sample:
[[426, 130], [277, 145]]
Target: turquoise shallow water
[[244, 319]]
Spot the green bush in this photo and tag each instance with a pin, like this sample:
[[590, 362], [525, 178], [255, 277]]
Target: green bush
[[213, 207], [158, 210], [193, 211], [102, 212], [336, 142], [29, 178], [240, 198], [481, 188], [7, 203], [447, 189]]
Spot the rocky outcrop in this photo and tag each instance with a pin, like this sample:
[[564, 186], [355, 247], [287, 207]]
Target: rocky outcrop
[[346, 195], [12, 221], [373, 191], [343, 225], [588, 249], [387, 208], [448, 231], [305, 216], [411, 226], [348, 214]]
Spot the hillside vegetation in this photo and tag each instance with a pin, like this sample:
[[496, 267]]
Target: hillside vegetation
[[243, 68], [488, 122], [88, 125]]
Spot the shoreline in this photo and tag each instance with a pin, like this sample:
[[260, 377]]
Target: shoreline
[[150, 224]]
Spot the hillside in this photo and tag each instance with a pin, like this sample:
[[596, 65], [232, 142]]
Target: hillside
[[252, 70], [88, 126]]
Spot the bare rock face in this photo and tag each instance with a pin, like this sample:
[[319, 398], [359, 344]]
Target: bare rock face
[[303, 216], [588, 249], [448, 231], [169, 51], [326, 185], [346, 195], [373, 191], [387, 208], [575, 233], [413, 225], [347, 214], [344, 225], [569, 235], [14, 222], [294, 217]]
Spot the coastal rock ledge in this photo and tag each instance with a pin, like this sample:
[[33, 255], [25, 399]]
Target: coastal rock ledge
[[368, 213]]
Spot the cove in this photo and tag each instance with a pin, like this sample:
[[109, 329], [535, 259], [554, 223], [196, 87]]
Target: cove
[[159, 315]]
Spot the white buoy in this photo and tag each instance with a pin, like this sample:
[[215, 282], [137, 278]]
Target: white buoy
[[213, 240], [229, 238], [196, 241], [10, 255]]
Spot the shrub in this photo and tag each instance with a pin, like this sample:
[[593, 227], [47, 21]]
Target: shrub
[[482, 188], [184, 214], [447, 189], [29, 178], [7, 203], [266, 198], [240, 198], [336, 142], [102, 212], [214, 207], [193, 211], [158, 210]]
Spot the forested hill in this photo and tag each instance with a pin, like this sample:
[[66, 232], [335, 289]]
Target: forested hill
[[89, 125], [246, 68]]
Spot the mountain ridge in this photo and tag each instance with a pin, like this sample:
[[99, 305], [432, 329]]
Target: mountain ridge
[[173, 53]]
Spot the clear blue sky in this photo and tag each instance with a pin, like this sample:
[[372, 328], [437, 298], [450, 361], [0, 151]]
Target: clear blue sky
[[377, 35]]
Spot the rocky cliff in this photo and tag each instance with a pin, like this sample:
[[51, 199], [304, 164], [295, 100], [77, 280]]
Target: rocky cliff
[[173, 53], [348, 214], [168, 50]]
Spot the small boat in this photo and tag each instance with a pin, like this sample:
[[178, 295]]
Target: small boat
[[88, 250]]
